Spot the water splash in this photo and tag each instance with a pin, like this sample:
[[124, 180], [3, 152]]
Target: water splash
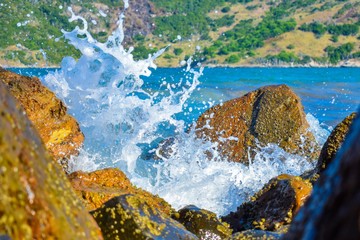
[[319, 130], [123, 125]]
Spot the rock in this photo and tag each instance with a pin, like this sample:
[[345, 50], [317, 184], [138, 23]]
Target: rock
[[202, 223], [271, 114], [273, 206], [165, 149], [255, 235], [97, 187], [59, 131], [130, 217], [334, 142], [36, 200], [311, 175], [333, 209], [330, 148]]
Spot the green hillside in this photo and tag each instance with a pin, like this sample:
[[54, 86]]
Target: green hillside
[[215, 32]]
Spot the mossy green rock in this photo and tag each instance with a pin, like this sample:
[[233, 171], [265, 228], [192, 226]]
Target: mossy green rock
[[58, 130], [130, 217], [36, 200], [273, 206], [202, 223], [255, 235], [271, 114]]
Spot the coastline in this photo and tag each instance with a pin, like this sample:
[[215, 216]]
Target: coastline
[[352, 63]]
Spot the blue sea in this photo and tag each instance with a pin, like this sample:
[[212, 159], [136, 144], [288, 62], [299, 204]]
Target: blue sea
[[329, 94]]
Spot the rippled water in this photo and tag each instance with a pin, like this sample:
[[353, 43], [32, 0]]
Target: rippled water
[[329, 94]]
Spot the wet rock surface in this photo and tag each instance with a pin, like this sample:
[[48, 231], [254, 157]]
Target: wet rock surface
[[334, 142], [36, 200], [330, 148], [273, 206], [271, 114], [202, 223], [97, 187], [129, 217], [59, 131], [333, 210], [255, 235]]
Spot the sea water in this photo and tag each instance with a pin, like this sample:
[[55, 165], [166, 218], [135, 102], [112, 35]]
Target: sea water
[[128, 108]]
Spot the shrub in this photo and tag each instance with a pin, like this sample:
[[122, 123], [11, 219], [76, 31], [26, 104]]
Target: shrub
[[178, 51], [225, 9], [290, 46], [233, 59]]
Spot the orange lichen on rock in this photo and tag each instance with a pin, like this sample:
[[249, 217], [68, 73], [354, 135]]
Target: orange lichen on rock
[[301, 188], [271, 114], [273, 206], [333, 209], [36, 200], [97, 187], [130, 217], [59, 131]]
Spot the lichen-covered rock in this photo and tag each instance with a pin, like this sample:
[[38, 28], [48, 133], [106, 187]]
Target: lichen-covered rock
[[36, 199], [130, 217], [333, 209], [273, 206], [334, 142], [330, 148], [271, 114], [255, 235], [97, 187], [202, 223], [59, 131]]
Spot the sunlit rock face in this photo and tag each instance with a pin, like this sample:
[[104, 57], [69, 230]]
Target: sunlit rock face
[[58, 130], [271, 114], [333, 210], [130, 217], [36, 200], [95, 188], [273, 206]]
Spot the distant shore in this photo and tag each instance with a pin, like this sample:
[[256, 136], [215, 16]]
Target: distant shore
[[352, 63]]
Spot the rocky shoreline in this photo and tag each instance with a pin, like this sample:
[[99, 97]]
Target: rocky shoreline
[[40, 200], [352, 63]]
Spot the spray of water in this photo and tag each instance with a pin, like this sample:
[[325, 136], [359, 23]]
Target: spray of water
[[124, 124]]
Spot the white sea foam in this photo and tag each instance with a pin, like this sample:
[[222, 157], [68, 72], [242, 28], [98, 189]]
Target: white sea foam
[[319, 130], [123, 124]]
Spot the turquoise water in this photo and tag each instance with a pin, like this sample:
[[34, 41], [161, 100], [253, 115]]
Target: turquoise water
[[329, 94]]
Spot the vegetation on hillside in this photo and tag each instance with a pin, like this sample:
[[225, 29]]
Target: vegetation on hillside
[[231, 32], [184, 18]]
